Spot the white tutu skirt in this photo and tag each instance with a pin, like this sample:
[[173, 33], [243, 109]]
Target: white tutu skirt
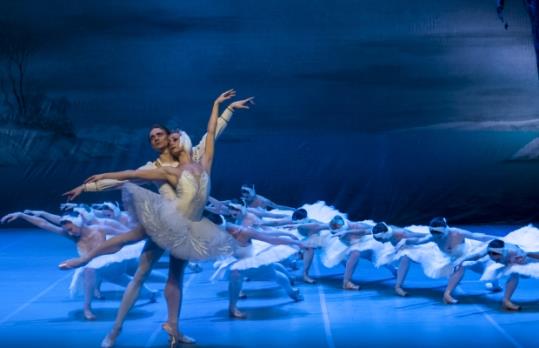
[[257, 255], [526, 238], [162, 222], [334, 252], [109, 264], [434, 262]]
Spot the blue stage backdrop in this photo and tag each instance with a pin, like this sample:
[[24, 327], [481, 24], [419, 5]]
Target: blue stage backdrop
[[393, 110]]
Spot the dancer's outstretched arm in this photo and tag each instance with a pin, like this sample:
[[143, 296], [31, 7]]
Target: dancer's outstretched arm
[[417, 241], [158, 174], [471, 257], [268, 238], [357, 232], [264, 213], [209, 145], [110, 246], [36, 221], [278, 233], [222, 123], [482, 237], [55, 219], [273, 205]]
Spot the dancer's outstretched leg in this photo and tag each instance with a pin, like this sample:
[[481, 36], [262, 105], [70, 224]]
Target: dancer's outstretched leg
[[173, 296], [351, 264], [149, 256]]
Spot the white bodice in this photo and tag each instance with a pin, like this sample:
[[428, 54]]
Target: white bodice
[[192, 193]]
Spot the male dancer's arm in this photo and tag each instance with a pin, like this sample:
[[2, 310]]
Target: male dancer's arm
[[101, 185]]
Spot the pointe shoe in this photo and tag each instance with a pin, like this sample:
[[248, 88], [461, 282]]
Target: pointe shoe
[[110, 339], [448, 299], [510, 306], [296, 295], [308, 280], [88, 314], [175, 337], [236, 314], [350, 286], [400, 291]]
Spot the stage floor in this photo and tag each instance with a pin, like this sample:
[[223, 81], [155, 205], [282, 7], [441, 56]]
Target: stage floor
[[36, 310]]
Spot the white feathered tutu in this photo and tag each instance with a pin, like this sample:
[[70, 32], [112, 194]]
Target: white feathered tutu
[[251, 257], [527, 239], [102, 264], [434, 262], [163, 223]]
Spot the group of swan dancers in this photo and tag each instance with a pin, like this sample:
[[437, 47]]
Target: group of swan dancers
[[252, 237]]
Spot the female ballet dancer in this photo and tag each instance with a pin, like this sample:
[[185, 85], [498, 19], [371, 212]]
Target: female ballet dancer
[[176, 224], [394, 235], [453, 243], [351, 240], [311, 233], [256, 265], [86, 237], [515, 255]]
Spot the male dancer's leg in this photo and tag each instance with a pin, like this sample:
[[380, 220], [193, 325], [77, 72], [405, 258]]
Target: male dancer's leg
[[174, 296], [150, 254]]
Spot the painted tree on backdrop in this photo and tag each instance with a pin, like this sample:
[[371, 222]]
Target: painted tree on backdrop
[[22, 102]]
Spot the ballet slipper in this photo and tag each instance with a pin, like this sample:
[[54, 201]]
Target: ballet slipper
[[110, 339], [510, 306], [448, 299], [350, 286], [236, 314], [176, 337], [308, 280], [88, 314], [400, 291]]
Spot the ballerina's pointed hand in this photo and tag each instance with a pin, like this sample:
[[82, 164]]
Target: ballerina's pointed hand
[[10, 217], [243, 104], [225, 96], [71, 195], [69, 264]]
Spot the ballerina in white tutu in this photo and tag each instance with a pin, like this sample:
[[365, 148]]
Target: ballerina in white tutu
[[176, 225], [111, 268], [256, 263], [311, 233], [350, 241], [512, 256], [453, 243], [393, 235]]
